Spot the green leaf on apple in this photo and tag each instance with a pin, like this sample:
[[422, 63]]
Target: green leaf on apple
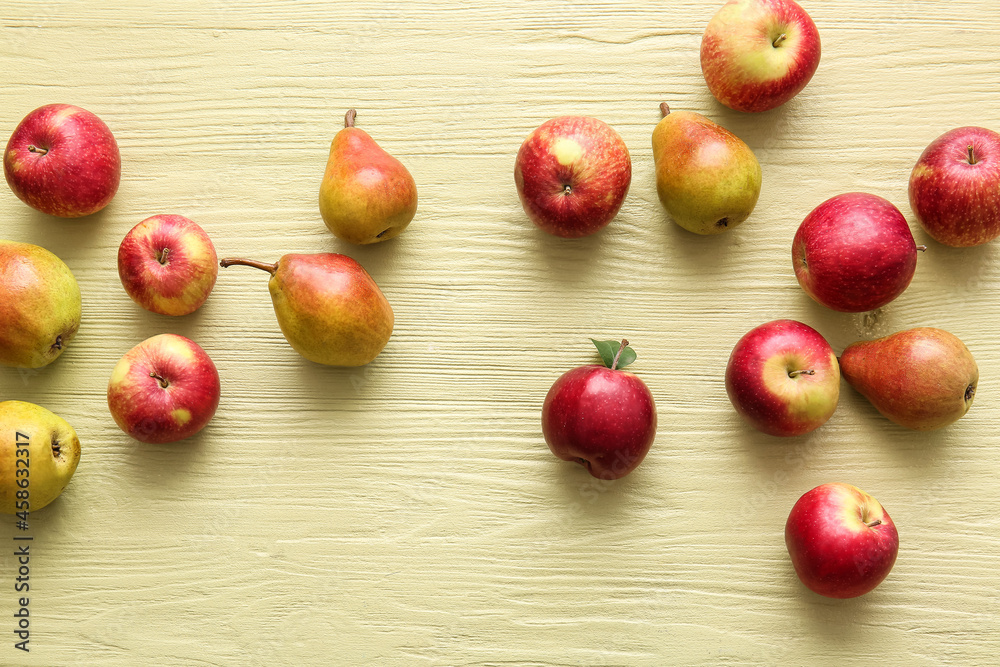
[[608, 350]]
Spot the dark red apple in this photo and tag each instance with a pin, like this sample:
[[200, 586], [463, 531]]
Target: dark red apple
[[601, 417], [164, 389], [955, 187], [572, 175], [854, 252], [841, 541], [63, 160], [783, 378]]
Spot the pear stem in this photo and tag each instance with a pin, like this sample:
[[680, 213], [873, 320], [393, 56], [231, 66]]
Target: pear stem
[[349, 117], [779, 40], [43, 151], [264, 266], [972, 155], [614, 363], [664, 109], [793, 374]]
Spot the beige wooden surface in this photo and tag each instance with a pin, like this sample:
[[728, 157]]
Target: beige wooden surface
[[409, 513]]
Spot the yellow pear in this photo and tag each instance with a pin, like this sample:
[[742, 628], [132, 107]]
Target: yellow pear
[[39, 452], [706, 177], [366, 195], [328, 307], [39, 305]]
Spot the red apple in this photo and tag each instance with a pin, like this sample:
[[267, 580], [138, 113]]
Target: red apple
[[63, 160], [841, 540], [600, 416], [783, 378], [854, 252], [955, 187], [572, 175], [168, 265], [758, 54], [164, 389]]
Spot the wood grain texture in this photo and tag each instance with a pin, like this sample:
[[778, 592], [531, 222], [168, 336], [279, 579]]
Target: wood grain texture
[[409, 512]]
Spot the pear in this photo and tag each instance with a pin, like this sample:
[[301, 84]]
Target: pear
[[706, 177], [39, 305], [922, 378], [328, 307], [366, 195], [39, 452]]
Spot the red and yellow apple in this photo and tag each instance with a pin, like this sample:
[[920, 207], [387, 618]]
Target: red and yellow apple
[[572, 174], [164, 389], [63, 160], [783, 378], [758, 54], [841, 540], [168, 265]]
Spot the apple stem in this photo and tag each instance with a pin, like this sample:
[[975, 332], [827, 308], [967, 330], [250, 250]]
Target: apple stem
[[43, 151], [614, 363], [664, 109], [793, 374], [876, 522], [264, 266], [922, 248], [972, 155], [349, 117], [161, 255], [779, 40], [160, 379]]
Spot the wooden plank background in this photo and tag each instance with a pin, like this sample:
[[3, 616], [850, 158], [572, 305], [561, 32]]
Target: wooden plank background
[[409, 512]]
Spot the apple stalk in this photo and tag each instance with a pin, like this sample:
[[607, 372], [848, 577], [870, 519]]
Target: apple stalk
[[614, 363]]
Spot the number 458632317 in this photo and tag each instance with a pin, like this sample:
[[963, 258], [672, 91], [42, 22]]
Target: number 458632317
[[21, 473]]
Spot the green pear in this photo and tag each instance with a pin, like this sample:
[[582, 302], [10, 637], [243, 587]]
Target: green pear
[[706, 177], [328, 307], [39, 305], [39, 452], [922, 378], [366, 195]]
